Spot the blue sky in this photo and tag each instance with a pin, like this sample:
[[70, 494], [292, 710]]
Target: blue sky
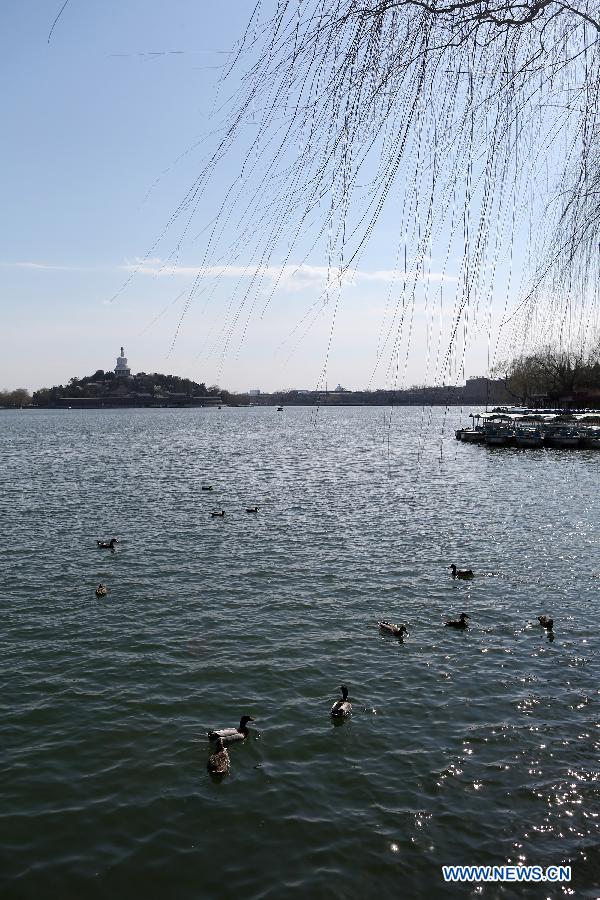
[[105, 129]]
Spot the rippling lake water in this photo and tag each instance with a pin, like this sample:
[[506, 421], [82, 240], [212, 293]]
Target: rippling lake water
[[464, 747]]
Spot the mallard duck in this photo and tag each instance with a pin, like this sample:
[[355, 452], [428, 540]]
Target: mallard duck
[[253, 509], [207, 487], [108, 545], [461, 573], [229, 735], [545, 622], [218, 762], [342, 708], [218, 513], [459, 623], [396, 630], [101, 590]]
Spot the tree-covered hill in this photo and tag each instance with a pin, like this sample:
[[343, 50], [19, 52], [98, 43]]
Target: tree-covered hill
[[142, 389]]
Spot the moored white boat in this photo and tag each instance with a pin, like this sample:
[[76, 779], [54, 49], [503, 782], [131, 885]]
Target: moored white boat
[[498, 435], [472, 435], [590, 438], [529, 437], [563, 437]]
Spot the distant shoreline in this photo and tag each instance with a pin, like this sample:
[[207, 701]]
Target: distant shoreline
[[272, 405]]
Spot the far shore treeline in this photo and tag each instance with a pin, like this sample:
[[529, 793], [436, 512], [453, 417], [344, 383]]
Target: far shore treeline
[[547, 378]]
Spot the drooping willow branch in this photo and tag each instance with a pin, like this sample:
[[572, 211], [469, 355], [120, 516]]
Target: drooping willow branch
[[460, 120]]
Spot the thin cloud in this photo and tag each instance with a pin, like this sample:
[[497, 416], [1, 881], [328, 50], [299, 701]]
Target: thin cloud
[[289, 278], [35, 265]]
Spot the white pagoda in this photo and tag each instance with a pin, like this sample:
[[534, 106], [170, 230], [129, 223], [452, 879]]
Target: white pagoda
[[121, 367]]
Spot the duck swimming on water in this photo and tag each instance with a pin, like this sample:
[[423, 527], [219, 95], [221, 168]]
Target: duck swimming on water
[[397, 630], [207, 487], [101, 590], [546, 623], [461, 573], [108, 545], [229, 735], [218, 763], [252, 509], [459, 623], [342, 708], [219, 513]]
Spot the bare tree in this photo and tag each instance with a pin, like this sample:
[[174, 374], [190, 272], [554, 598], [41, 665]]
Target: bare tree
[[15, 399], [552, 372]]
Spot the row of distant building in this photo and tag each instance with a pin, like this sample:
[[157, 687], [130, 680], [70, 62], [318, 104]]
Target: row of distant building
[[256, 392]]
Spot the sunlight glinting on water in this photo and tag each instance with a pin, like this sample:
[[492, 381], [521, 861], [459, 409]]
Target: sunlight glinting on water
[[463, 747]]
